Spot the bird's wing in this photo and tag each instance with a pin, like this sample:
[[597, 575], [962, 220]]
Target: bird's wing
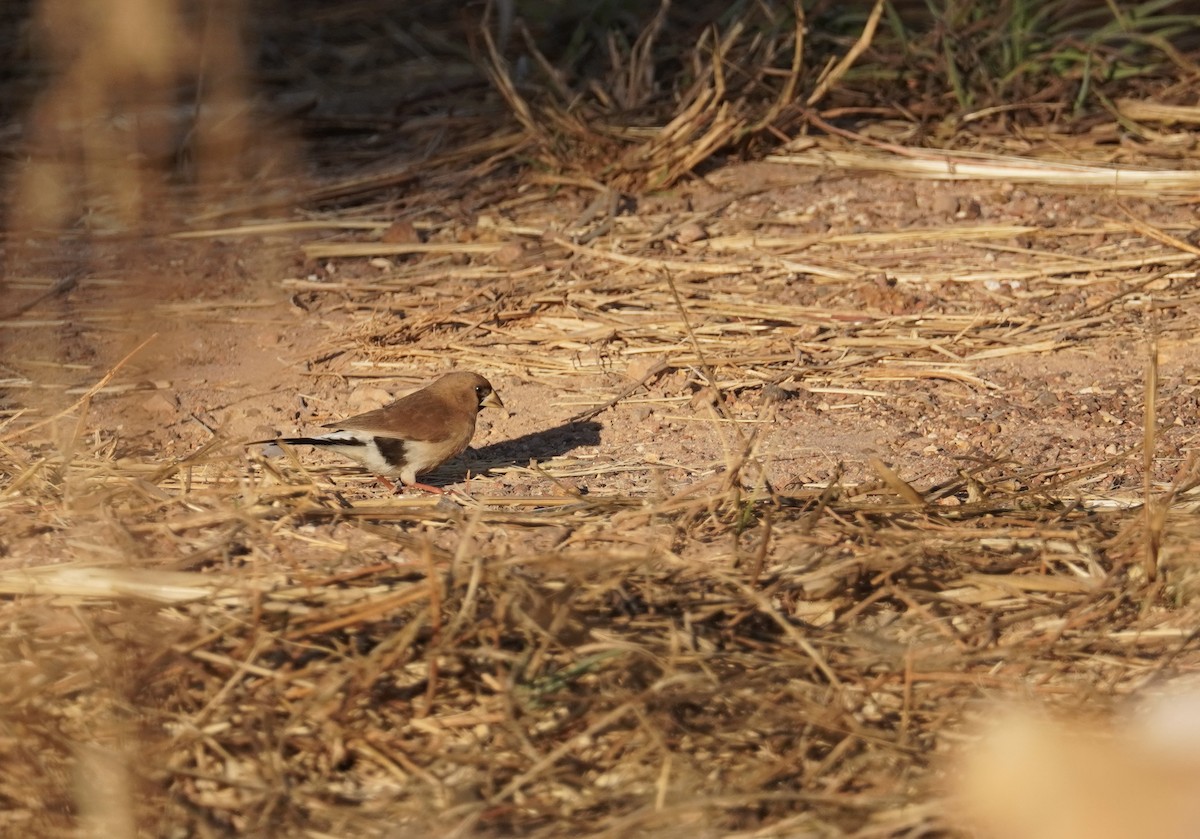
[[419, 416]]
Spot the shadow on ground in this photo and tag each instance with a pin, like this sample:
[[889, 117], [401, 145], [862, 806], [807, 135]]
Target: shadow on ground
[[537, 445]]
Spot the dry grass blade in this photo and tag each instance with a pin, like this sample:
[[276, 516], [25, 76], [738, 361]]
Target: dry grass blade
[[794, 469], [85, 583], [79, 403], [578, 132], [829, 79], [1155, 513], [896, 483], [1143, 111], [959, 166], [1160, 235]]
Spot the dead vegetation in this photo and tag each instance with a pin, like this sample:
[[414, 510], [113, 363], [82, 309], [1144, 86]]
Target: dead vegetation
[[716, 659], [214, 644]]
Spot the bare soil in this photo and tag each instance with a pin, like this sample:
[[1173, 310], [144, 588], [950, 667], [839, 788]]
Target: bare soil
[[249, 343], [851, 484]]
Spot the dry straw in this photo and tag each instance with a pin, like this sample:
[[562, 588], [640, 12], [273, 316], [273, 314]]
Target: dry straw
[[979, 166], [299, 653], [592, 641]]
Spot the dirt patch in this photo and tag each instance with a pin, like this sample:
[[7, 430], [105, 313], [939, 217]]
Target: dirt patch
[[929, 375], [849, 415], [799, 466]]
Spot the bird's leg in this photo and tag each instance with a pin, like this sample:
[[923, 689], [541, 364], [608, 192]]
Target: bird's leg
[[425, 487], [388, 485]]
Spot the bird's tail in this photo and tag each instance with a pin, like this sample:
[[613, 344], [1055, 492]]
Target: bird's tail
[[340, 439]]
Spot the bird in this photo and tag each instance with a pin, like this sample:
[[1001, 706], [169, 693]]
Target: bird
[[414, 434]]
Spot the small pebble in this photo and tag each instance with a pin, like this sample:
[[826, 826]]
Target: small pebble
[[367, 398], [160, 405], [641, 366], [704, 396], [565, 487], [400, 233], [972, 210], [944, 204], [691, 232], [774, 393], [509, 253]]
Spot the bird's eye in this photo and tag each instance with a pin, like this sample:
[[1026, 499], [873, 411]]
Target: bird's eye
[[480, 391]]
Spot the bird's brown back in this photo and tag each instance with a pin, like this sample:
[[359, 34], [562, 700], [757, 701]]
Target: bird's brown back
[[445, 409]]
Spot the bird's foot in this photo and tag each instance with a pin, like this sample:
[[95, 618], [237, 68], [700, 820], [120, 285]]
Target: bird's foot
[[425, 487]]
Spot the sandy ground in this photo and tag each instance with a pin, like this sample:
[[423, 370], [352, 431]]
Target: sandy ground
[[763, 331], [644, 607], [249, 343]]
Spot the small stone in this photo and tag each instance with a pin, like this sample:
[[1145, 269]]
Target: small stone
[[565, 487], [447, 504], [160, 405], [641, 366], [264, 430], [972, 210], [944, 204], [691, 232], [367, 398], [704, 396], [401, 233], [509, 253], [774, 393]]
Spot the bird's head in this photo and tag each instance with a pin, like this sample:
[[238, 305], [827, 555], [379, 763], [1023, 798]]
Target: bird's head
[[486, 396]]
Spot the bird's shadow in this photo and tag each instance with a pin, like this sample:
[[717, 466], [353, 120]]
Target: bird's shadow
[[539, 445]]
